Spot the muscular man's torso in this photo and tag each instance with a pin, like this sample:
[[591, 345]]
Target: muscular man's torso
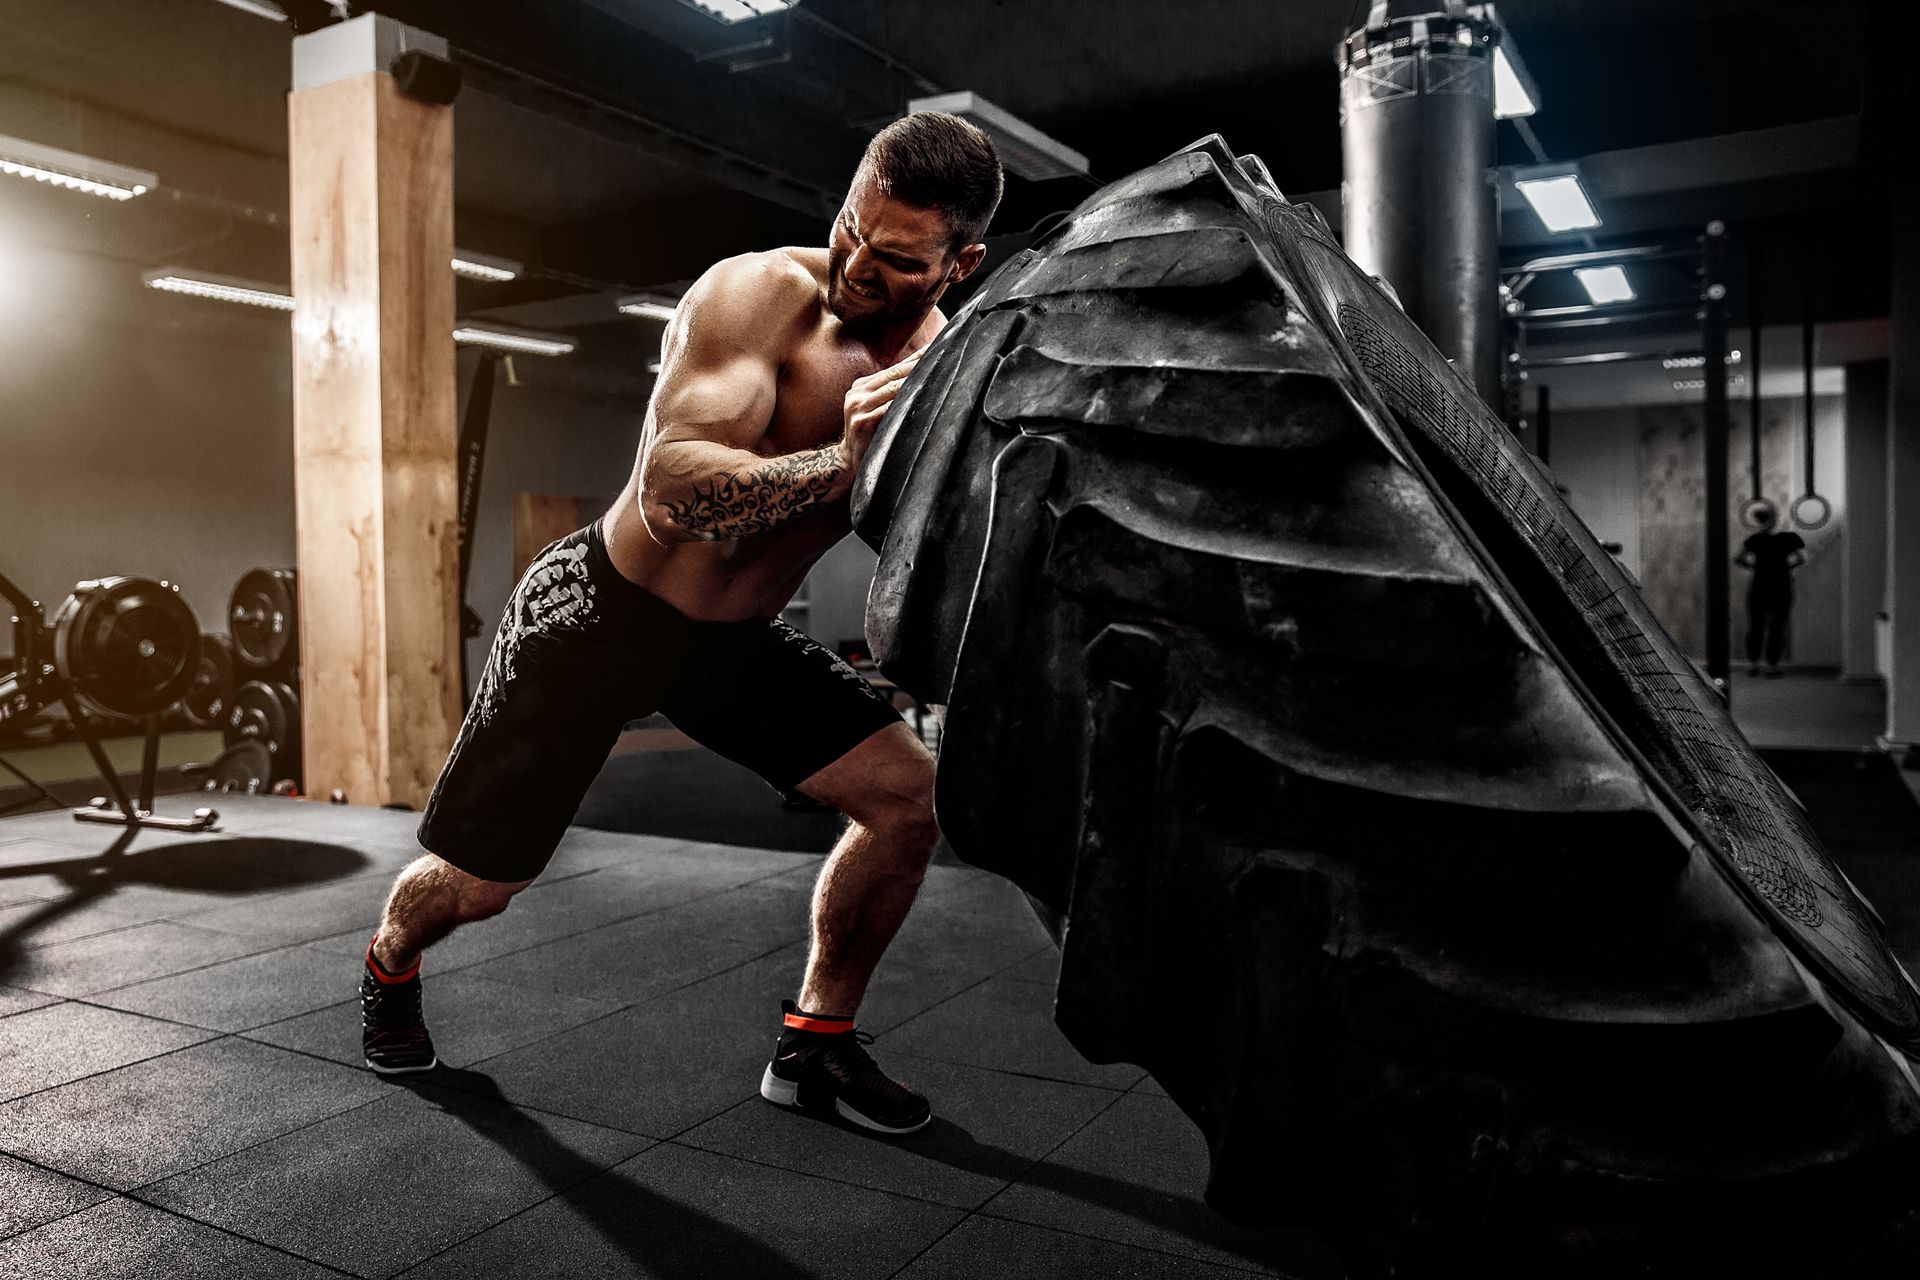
[[757, 575]]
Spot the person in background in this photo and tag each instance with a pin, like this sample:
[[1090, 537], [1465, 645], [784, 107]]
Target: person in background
[[1772, 555]]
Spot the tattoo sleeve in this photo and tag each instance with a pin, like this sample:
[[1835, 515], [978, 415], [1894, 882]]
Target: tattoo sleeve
[[734, 504]]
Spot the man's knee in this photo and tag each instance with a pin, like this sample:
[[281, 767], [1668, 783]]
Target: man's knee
[[901, 812], [468, 896]]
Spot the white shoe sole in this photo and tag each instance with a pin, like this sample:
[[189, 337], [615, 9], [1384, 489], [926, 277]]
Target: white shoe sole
[[401, 1071], [785, 1093]]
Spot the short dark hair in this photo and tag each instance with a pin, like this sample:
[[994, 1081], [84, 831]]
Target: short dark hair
[[939, 161]]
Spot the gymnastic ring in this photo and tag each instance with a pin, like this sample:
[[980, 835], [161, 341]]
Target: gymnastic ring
[[1751, 514], [1822, 508]]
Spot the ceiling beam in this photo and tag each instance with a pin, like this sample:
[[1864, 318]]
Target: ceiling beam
[[604, 74]]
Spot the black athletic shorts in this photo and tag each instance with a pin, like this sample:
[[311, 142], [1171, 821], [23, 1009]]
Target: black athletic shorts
[[582, 651]]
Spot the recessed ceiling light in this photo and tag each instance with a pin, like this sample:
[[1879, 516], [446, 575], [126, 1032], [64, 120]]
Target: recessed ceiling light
[[1605, 284], [1560, 201], [1024, 150], [217, 288], [258, 8], [648, 306], [532, 342], [481, 266], [731, 11], [70, 169], [1510, 96]]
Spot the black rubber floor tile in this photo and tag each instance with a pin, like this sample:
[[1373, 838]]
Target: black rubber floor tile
[[656, 1068], [471, 1018], [988, 1129], [380, 1188], [50, 1046], [239, 994], [1006, 1025], [675, 1214], [348, 822], [983, 1246], [140, 1123], [126, 1240], [63, 919], [1042, 967], [1135, 1175], [30, 1197], [658, 952], [163, 875], [120, 959], [751, 993], [587, 849], [303, 915], [15, 1000]]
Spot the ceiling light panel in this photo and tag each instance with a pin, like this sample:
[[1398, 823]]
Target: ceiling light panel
[[531, 342], [481, 266], [1560, 201], [217, 288], [73, 171], [1024, 150], [1605, 284], [732, 11], [1510, 96], [648, 306]]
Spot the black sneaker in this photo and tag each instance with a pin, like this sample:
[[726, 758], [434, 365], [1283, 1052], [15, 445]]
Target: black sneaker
[[393, 1032], [831, 1070]]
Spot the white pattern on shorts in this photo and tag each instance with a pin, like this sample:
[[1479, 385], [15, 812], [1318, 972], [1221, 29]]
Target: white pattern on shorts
[[555, 594]]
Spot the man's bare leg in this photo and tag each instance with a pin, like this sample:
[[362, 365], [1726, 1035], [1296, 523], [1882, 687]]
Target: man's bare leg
[[430, 899], [868, 884], [885, 785]]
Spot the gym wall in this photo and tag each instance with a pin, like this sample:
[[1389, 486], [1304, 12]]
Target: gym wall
[[1636, 475]]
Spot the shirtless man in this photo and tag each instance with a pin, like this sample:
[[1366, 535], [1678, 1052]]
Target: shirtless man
[[775, 371]]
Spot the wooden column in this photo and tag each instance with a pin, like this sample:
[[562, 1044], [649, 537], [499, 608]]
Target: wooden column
[[374, 430]]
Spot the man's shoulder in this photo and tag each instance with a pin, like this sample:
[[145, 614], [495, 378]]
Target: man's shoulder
[[769, 278], [755, 297]]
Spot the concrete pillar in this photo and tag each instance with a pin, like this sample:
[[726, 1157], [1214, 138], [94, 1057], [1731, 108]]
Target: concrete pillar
[[371, 177], [1863, 583]]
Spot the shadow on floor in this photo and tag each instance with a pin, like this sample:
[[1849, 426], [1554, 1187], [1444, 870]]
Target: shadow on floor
[[240, 865], [661, 1237]]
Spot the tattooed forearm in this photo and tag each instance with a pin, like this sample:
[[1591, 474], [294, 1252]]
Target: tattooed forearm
[[734, 504]]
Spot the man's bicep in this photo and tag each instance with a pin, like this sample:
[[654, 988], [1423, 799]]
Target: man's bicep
[[715, 391]]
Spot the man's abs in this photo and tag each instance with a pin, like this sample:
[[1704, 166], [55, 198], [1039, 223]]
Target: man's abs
[[752, 577]]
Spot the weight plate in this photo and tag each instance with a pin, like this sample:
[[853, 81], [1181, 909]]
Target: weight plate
[[130, 646], [263, 621], [246, 767], [286, 763], [205, 704], [258, 713]]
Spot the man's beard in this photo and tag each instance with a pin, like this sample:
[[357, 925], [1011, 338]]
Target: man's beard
[[858, 310]]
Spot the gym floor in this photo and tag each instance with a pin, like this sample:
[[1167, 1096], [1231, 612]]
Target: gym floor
[[180, 1089]]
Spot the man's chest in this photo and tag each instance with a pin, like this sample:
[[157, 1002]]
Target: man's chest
[[811, 396]]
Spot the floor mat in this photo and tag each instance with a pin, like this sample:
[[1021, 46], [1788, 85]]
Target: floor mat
[[1870, 823]]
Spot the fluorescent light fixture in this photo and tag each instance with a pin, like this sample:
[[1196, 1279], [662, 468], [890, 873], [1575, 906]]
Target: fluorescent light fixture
[[1695, 362], [258, 8], [204, 284], [531, 342], [72, 170], [732, 11], [481, 266], [648, 306], [1560, 201], [1605, 284], [1510, 96], [1024, 150]]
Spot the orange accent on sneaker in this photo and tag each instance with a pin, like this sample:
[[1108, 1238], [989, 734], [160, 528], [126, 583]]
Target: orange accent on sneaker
[[801, 1022], [382, 976]]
